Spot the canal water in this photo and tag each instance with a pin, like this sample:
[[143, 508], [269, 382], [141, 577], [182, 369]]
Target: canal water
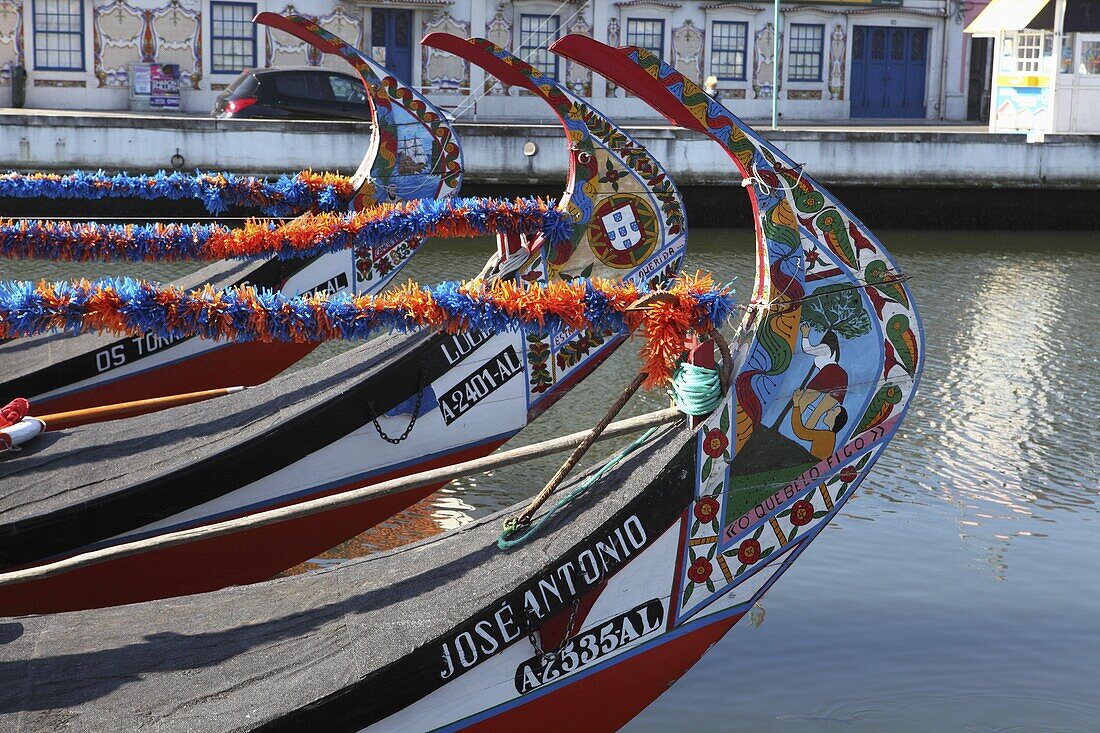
[[960, 589]]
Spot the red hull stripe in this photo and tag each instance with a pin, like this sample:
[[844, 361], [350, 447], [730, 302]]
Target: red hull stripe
[[248, 363], [609, 695], [150, 367]]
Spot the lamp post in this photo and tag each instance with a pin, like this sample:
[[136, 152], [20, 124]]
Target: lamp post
[[1056, 63], [775, 65]]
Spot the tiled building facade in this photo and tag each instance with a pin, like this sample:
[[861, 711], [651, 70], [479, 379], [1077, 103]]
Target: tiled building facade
[[840, 60]]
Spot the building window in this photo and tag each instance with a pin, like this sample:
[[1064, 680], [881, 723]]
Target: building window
[[648, 34], [232, 37], [536, 33], [59, 35], [1029, 48], [728, 42], [1090, 58], [807, 46]]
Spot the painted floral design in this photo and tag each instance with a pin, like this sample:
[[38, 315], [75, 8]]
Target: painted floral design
[[612, 176], [749, 551], [802, 513], [700, 570], [706, 509], [848, 474], [715, 443]]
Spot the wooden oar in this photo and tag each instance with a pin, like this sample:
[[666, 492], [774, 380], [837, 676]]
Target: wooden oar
[[75, 418]]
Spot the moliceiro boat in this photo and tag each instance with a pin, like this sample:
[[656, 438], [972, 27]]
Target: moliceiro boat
[[394, 406], [65, 373], [608, 597]]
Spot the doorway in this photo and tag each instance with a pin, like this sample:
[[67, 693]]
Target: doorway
[[391, 41], [889, 69], [980, 78]]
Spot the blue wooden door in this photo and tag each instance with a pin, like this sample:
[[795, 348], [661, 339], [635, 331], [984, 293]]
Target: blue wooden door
[[392, 30], [889, 68]]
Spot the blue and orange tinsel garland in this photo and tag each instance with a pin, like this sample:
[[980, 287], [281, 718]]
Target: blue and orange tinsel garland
[[286, 196], [131, 307], [308, 235]]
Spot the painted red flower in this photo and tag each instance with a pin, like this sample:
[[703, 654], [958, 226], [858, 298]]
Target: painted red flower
[[706, 509], [848, 474], [749, 551], [700, 570], [801, 513], [715, 443]]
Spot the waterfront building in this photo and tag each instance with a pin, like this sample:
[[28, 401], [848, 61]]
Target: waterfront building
[[1046, 68], [870, 59]]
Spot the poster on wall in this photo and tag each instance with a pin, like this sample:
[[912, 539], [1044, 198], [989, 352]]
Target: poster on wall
[[140, 78], [1023, 109], [164, 90]]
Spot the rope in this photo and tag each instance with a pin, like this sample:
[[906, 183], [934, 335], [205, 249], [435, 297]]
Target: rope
[[510, 526], [524, 518], [462, 109], [696, 390]]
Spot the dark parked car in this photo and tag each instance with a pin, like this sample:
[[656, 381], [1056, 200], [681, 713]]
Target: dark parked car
[[308, 93]]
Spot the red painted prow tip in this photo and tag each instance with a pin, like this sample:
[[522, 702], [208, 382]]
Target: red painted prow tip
[[616, 65], [700, 352], [291, 25], [465, 48]]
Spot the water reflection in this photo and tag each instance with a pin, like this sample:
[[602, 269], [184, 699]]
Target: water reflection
[[1001, 427]]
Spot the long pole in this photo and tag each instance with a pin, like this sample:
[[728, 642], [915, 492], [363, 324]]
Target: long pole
[[76, 418], [775, 66], [1059, 35], [337, 501]]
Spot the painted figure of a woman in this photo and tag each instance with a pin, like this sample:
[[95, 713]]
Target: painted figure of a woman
[[825, 391]]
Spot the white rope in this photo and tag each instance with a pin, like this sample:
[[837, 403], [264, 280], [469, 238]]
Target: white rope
[[765, 188]]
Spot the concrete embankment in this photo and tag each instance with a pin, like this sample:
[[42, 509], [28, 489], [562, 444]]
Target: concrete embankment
[[959, 173]]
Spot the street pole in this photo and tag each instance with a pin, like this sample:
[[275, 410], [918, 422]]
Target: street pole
[[1059, 36], [775, 66]]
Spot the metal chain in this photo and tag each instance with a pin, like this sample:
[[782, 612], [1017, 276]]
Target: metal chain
[[548, 658], [412, 420]]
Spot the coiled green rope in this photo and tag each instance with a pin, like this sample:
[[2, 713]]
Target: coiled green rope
[[696, 390]]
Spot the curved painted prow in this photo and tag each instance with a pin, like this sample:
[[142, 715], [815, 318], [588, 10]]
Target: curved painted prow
[[413, 154], [629, 214], [831, 348]]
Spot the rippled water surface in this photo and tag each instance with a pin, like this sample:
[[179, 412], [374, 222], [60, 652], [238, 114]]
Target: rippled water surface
[[959, 589]]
